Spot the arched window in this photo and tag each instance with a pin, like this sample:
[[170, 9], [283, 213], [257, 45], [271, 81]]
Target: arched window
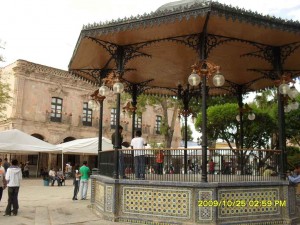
[[56, 109], [87, 115]]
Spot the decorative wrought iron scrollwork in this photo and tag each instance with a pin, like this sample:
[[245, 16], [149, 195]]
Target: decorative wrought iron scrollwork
[[287, 50]]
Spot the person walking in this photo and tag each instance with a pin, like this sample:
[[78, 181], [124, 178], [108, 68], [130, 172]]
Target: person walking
[[2, 179], [84, 179], [13, 177], [76, 183], [139, 155]]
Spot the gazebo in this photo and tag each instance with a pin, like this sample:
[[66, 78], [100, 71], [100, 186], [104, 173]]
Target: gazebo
[[153, 53]]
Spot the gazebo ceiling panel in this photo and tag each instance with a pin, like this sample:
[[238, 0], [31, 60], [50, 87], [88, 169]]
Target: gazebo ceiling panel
[[154, 32], [90, 56]]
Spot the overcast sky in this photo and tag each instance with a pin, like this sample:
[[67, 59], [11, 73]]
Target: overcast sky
[[46, 32]]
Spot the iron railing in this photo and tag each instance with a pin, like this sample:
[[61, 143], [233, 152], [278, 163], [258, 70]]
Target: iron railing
[[223, 165]]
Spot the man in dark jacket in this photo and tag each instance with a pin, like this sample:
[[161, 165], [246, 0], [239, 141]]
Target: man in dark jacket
[[121, 154]]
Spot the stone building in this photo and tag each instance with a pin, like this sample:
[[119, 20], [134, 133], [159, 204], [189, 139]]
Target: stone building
[[52, 105]]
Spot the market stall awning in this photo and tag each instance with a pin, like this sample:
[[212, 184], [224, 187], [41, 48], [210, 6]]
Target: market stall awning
[[162, 46], [85, 146], [15, 141]]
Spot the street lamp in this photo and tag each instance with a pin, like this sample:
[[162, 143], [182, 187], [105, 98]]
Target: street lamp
[[246, 109], [113, 81], [201, 72], [97, 98]]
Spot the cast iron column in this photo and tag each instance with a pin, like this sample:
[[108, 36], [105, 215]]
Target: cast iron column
[[133, 103], [100, 133], [204, 135], [120, 66], [241, 123], [277, 65]]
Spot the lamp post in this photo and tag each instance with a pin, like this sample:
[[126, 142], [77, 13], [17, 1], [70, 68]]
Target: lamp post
[[186, 95], [97, 98], [285, 93], [201, 72], [114, 81]]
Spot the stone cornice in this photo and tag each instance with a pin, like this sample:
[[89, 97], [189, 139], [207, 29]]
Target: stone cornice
[[41, 72]]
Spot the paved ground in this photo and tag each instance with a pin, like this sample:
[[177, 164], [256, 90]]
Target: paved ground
[[42, 205]]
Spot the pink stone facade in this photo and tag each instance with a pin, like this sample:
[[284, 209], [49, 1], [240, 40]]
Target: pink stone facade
[[32, 88]]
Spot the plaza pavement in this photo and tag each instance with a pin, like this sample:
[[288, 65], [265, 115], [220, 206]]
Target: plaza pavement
[[42, 205]]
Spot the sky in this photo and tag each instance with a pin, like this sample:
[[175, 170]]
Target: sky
[[46, 32]]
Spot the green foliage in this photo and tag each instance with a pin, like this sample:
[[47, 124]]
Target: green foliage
[[4, 98], [189, 133], [292, 125], [222, 124], [293, 156]]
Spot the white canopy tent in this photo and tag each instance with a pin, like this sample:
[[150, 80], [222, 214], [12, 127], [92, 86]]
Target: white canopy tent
[[15, 141], [85, 146]]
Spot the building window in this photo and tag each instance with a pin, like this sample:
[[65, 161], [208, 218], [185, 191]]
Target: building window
[[158, 124], [138, 123], [87, 115], [113, 118], [56, 109], [32, 159]]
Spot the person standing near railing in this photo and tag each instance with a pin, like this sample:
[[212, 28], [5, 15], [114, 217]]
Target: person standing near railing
[[139, 155], [121, 154], [160, 161]]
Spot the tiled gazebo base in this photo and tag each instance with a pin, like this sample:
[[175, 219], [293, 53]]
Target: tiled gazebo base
[[158, 202]]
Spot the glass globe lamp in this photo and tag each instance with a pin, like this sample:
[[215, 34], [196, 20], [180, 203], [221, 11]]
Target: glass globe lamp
[[238, 118], [293, 93], [287, 108], [284, 89], [294, 105], [218, 80], [103, 90], [194, 79], [118, 87], [92, 104], [251, 116]]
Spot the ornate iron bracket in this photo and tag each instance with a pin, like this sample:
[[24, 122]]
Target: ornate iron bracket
[[273, 74], [267, 53], [287, 50]]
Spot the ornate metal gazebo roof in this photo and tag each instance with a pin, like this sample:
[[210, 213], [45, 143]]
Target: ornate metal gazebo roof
[[162, 46]]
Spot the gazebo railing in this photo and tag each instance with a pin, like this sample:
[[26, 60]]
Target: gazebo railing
[[223, 165]]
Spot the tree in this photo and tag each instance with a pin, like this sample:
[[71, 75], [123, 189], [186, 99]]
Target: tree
[[2, 44], [292, 125], [189, 133], [167, 129], [4, 88], [222, 124]]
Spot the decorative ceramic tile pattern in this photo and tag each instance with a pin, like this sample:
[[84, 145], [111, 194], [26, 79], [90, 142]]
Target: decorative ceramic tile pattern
[[109, 198], [148, 222], [157, 202], [267, 223], [99, 195], [249, 196], [205, 213]]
